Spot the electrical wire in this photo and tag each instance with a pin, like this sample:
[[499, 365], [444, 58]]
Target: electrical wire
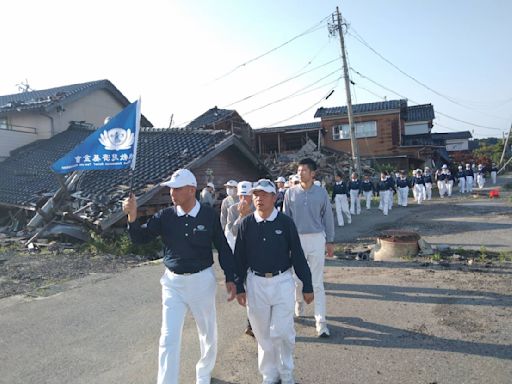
[[436, 110], [294, 94], [361, 40], [279, 83], [314, 28], [304, 111]]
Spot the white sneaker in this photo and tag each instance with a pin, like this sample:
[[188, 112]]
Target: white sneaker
[[323, 332], [299, 309]]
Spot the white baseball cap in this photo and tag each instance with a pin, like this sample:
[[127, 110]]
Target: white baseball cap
[[231, 183], [211, 185], [280, 179], [317, 182], [445, 166], [264, 185], [244, 188], [181, 178]]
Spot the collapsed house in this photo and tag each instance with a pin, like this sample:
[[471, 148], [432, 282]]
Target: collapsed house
[[32, 195]]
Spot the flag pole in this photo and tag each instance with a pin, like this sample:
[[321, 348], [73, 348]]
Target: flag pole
[[135, 145]]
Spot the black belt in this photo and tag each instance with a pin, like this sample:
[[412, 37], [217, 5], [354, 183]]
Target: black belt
[[267, 274], [187, 272]]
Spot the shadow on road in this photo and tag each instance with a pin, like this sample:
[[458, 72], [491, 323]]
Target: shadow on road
[[355, 331], [417, 295]]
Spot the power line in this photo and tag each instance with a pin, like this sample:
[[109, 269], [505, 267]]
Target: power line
[[294, 94], [314, 28], [436, 110], [360, 39], [304, 111], [280, 83]]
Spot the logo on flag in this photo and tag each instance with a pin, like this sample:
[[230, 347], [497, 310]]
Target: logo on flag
[[112, 146]]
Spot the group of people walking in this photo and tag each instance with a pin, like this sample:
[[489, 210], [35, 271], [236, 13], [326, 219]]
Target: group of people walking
[[347, 196], [271, 243], [272, 237]]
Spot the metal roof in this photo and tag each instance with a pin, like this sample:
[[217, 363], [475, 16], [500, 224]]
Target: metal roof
[[423, 112]]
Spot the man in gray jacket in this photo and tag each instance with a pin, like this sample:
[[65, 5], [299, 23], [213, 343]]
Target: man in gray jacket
[[310, 208]]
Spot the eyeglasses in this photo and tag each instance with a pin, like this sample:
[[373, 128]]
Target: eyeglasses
[[264, 183]]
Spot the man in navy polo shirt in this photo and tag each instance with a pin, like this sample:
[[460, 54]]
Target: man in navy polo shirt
[[267, 247], [187, 230]]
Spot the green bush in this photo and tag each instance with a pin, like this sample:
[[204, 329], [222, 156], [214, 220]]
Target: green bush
[[120, 245]]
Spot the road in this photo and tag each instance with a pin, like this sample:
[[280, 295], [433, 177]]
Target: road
[[390, 322]]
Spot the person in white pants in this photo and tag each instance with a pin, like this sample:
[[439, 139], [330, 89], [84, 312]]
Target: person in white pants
[[340, 199], [235, 215], [470, 176], [461, 179], [418, 183], [441, 180], [391, 195], [309, 207], [354, 187], [427, 178], [368, 190], [403, 189], [384, 190], [480, 176], [188, 230], [494, 173], [267, 248], [450, 180]]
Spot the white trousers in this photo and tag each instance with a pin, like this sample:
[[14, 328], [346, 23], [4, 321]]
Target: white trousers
[[420, 192], [341, 203], [428, 191], [270, 307], [384, 201], [313, 245], [480, 180], [449, 187], [469, 184], [403, 195], [493, 176], [462, 184], [355, 203], [181, 293], [390, 199], [368, 198], [441, 185]]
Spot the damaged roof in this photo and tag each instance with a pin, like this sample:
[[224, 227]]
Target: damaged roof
[[27, 178], [303, 127], [211, 116], [50, 99]]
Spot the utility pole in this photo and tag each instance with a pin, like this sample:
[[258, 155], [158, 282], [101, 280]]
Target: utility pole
[[505, 145], [337, 25]]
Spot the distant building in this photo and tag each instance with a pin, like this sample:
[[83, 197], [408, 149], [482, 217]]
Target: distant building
[[40, 114], [388, 132]]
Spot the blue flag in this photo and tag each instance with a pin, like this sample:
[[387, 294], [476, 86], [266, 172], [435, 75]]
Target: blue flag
[[112, 146]]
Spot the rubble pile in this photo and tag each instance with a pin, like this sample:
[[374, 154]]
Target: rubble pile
[[329, 162]]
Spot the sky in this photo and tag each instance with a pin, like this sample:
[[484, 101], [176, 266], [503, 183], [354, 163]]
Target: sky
[[272, 61]]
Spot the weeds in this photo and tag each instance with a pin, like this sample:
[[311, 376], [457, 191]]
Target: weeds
[[483, 254], [436, 257], [120, 245]]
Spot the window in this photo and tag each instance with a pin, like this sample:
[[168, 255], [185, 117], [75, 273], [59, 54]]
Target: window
[[3, 123], [364, 129]]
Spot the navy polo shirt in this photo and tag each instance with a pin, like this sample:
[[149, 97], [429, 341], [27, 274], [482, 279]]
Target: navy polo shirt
[[402, 183], [367, 185], [187, 239], [354, 184], [270, 245], [339, 189]]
